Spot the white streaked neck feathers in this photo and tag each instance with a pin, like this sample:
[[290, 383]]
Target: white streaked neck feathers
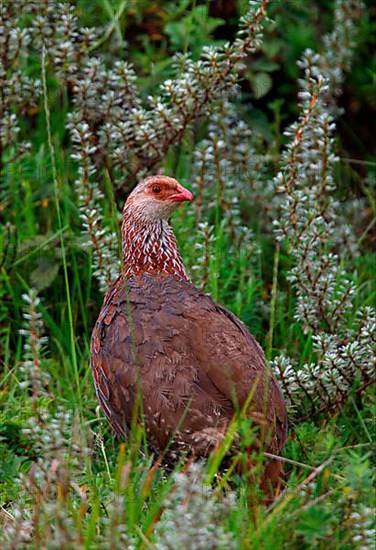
[[150, 247]]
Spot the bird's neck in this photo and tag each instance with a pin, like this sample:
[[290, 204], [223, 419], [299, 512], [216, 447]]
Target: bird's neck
[[150, 247]]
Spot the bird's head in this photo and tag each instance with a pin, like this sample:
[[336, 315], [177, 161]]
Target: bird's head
[[156, 198]]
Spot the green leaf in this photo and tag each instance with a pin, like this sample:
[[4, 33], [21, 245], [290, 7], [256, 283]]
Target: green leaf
[[261, 84], [44, 274]]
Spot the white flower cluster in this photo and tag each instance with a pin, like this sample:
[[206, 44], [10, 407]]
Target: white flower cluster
[[363, 521], [111, 128], [57, 437], [340, 362], [103, 241], [133, 138], [55, 26], [32, 376], [19, 92], [113, 528], [226, 168], [53, 477], [308, 226], [193, 518], [26, 26]]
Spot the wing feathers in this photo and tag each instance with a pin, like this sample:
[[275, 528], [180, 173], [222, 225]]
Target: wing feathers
[[190, 352]]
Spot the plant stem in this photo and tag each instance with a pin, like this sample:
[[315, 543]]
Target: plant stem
[[57, 203], [269, 338]]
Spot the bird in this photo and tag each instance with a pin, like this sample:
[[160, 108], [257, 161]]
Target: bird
[[164, 351]]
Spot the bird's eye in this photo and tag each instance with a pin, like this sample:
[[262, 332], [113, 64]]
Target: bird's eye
[[156, 189]]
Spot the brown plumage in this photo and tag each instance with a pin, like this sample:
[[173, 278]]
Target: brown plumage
[[193, 361]]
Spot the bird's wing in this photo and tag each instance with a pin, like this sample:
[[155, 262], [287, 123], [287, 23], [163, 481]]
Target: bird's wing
[[195, 360], [235, 363]]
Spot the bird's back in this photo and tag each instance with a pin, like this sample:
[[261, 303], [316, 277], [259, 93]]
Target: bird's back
[[193, 363]]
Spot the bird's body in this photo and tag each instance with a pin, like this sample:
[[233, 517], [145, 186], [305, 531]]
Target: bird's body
[[192, 362]]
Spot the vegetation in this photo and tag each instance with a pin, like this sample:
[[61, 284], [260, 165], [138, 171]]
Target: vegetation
[[264, 112]]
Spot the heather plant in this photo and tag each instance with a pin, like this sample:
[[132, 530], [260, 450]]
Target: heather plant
[[26, 27], [224, 163], [279, 238], [19, 92], [31, 372], [110, 124], [307, 219], [192, 513], [104, 242], [308, 225], [133, 138], [40, 513]]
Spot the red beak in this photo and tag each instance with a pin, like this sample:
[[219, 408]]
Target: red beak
[[181, 194]]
